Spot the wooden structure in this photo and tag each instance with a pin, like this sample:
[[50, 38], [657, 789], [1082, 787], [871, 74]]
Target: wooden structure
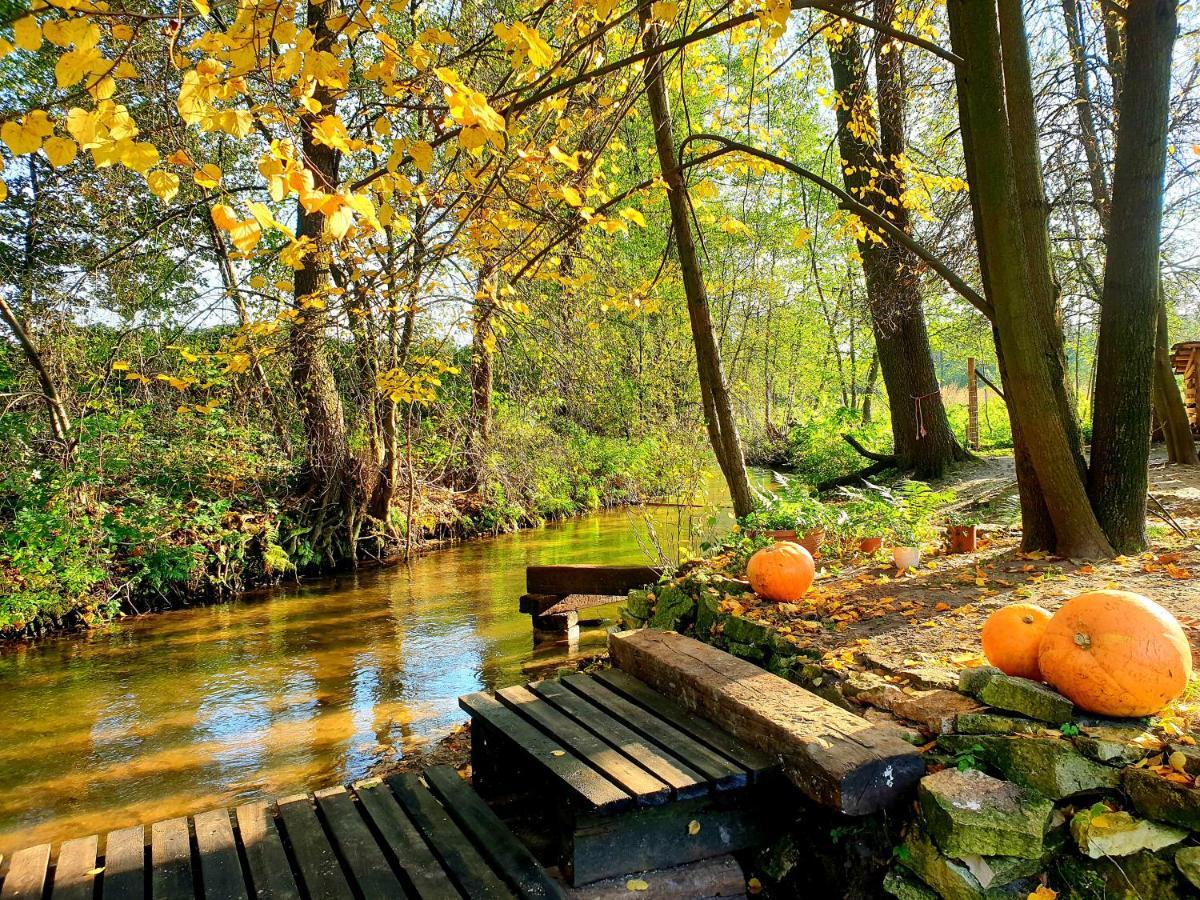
[[625, 779], [1185, 360], [406, 837], [972, 406], [556, 594]]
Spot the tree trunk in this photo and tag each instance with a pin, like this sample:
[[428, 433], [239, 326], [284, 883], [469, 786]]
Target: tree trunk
[[1034, 386], [1129, 314], [921, 432], [714, 392], [869, 388], [331, 467], [483, 339], [1168, 404]]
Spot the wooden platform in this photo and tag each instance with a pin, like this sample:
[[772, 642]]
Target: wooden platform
[[625, 778], [406, 837], [556, 594]]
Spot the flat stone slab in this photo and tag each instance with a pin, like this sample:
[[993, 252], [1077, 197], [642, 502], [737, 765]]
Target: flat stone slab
[[952, 879], [1156, 798], [995, 723], [1187, 861], [898, 883], [970, 813], [1049, 765], [1020, 695], [1120, 834], [934, 711], [1113, 745], [836, 758]]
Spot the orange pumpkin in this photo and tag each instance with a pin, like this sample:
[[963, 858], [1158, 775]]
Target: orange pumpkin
[[1115, 653], [1012, 637], [782, 572]]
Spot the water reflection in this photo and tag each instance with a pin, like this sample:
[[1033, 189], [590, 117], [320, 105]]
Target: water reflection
[[313, 685]]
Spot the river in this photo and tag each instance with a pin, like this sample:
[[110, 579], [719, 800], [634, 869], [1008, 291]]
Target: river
[[312, 685]]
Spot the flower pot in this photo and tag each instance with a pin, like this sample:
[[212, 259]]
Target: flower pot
[[775, 535], [870, 544], [812, 541], [962, 538], [906, 557]]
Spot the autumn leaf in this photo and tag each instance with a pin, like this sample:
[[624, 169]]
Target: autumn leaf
[[636, 884], [207, 176]]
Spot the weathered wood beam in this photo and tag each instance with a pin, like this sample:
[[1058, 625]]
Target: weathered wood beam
[[836, 758], [610, 580]]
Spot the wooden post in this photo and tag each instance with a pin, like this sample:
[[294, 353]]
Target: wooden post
[[972, 405]]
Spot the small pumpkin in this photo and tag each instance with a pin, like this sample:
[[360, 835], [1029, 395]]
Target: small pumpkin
[[782, 572], [1012, 638], [1115, 653]]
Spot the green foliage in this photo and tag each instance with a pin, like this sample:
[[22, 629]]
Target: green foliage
[[818, 451]]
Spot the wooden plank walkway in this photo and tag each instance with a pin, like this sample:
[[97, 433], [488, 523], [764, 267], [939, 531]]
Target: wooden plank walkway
[[428, 837], [627, 779]]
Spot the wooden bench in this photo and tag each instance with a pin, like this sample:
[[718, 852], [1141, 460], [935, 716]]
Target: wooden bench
[[624, 778], [404, 837]]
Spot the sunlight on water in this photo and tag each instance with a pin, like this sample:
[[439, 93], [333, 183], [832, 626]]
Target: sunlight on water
[[313, 685]]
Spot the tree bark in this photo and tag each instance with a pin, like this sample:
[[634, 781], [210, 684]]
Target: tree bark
[[1129, 315], [1168, 404], [714, 392], [1033, 384], [921, 431], [483, 338]]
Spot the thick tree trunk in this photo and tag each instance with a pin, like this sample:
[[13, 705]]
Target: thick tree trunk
[[714, 392], [331, 468], [1034, 385], [1129, 309], [921, 432], [1168, 404]]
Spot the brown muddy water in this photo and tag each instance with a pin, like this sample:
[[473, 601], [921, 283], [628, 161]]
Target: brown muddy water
[[312, 685]]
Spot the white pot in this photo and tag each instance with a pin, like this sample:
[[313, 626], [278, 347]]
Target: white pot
[[906, 557]]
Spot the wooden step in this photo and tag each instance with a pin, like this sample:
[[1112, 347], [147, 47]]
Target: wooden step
[[609, 580], [836, 758]]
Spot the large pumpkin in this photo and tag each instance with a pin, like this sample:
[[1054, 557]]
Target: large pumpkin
[[1115, 653], [1012, 638], [782, 572]]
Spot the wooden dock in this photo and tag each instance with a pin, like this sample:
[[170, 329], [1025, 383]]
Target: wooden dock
[[404, 837], [555, 595]]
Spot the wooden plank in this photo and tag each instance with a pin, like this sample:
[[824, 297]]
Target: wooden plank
[[171, 855], [369, 867], [124, 875], [319, 868], [611, 580], [683, 780], [509, 856], [719, 770], [536, 604], [270, 872], [835, 757], [220, 868], [469, 870], [697, 727], [578, 780], [614, 766], [408, 849], [26, 878], [75, 871]]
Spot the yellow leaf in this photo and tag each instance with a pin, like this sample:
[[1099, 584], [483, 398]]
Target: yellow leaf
[[636, 884], [138, 155], [27, 34], [693, 828], [663, 11], [164, 185], [120, 366], [1178, 761], [802, 237], [208, 176], [1043, 893], [180, 158], [20, 139], [754, 886], [570, 160], [3, 191], [245, 235], [422, 155], [634, 216], [60, 151], [201, 7], [571, 195], [258, 282], [223, 217]]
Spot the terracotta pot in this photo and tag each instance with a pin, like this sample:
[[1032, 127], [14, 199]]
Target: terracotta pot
[[906, 557], [776, 535], [812, 541], [870, 544], [962, 538]]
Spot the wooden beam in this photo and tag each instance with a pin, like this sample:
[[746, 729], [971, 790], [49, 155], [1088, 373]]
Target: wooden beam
[[836, 758], [610, 580]]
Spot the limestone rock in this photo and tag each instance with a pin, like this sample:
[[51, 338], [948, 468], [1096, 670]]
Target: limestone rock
[[1120, 834], [935, 711], [637, 609], [949, 878], [1156, 798], [1187, 860], [994, 723], [708, 614], [1049, 765], [870, 689], [1020, 695], [903, 886], [741, 630], [1111, 744], [749, 652], [970, 813], [673, 607], [1138, 877]]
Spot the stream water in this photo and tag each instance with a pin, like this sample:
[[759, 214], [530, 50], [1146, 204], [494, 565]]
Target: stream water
[[311, 685]]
